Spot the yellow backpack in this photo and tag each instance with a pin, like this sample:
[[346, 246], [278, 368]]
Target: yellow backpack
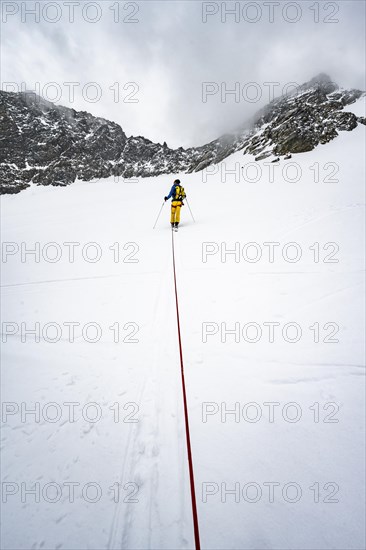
[[179, 193]]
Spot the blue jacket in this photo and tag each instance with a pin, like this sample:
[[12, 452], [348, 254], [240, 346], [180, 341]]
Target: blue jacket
[[172, 191]]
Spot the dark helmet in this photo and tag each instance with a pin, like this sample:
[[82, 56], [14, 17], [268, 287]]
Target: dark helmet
[[177, 182]]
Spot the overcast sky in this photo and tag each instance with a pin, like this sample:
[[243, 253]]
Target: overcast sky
[[168, 52]]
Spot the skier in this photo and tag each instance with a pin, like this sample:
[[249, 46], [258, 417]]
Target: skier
[[178, 195]]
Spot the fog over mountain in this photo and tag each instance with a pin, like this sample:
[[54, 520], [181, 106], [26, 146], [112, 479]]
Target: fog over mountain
[[144, 65], [52, 145]]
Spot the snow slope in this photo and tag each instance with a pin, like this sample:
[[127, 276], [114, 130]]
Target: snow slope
[[147, 458]]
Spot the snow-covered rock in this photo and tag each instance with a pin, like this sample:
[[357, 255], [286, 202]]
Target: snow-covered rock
[[49, 144]]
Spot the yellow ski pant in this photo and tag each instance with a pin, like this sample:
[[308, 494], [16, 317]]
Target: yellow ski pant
[[175, 212]]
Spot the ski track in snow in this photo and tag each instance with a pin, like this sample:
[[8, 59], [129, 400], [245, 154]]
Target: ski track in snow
[[141, 527]]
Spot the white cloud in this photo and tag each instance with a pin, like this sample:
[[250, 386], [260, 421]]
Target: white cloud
[[170, 52]]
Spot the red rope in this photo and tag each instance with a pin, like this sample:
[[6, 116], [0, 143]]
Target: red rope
[[189, 449]]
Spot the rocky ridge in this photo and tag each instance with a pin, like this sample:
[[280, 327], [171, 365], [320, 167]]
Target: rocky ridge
[[49, 144]]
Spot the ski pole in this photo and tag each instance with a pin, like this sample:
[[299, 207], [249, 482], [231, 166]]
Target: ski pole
[[190, 209], [159, 214]]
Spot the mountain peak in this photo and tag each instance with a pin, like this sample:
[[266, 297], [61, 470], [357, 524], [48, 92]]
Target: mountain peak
[[321, 81], [321, 78]]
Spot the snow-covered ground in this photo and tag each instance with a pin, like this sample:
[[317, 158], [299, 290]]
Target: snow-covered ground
[[292, 453]]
